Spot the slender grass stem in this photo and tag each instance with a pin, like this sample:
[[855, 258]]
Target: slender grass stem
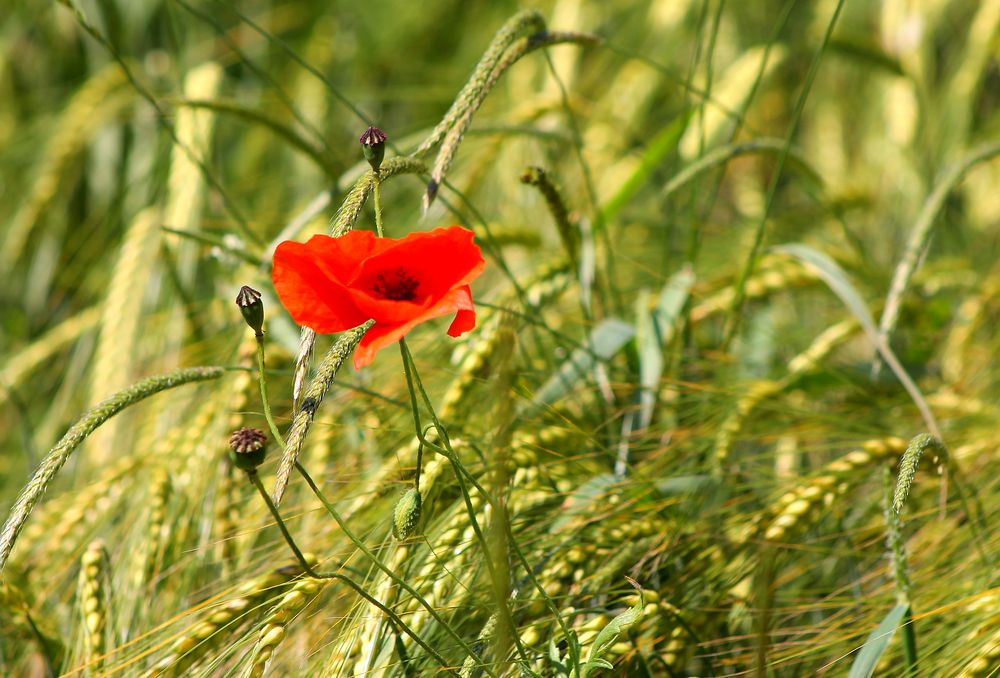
[[262, 381], [309, 570], [732, 323], [332, 510], [897, 556], [414, 384]]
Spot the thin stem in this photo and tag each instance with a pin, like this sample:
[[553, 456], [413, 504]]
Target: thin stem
[[382, 566], [413, 384], [416, 416], [263, 392], [420, 463], [403, 352], [255, 480], [909, 643], [739, 298], [377, 198], [308, 569]]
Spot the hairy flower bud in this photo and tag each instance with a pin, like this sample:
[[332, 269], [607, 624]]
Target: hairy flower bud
[[248, 446], [252, 308], [373, 146], [406, 514]]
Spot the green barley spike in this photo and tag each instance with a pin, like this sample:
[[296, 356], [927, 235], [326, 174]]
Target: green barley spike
[[908, 466]]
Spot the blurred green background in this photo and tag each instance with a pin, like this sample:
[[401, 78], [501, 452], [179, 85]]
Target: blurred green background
[[152, 154]]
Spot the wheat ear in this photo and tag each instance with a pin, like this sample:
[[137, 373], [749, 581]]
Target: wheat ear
[[94, 592]]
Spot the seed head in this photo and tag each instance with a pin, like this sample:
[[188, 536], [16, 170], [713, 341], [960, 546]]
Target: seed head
[[373, 146], [373, 136], [248, 446], [406, 514], [252, 308]]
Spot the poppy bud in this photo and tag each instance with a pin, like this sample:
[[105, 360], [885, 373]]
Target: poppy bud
[[252, 308], [406, 514], [373, 145], [248, 448]]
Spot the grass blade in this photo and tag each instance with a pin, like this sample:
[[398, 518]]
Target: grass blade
[[864, 664], [835, 278], [605, 341]]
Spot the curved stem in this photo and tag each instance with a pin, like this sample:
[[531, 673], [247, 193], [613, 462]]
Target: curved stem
[[263, 392], [255, 480], [421, 438], [309, 570], [420, 463], [331, 509], [413, 384]]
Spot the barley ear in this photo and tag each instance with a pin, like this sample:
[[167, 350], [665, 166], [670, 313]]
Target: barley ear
[[908, 466], [568, 231], [325, 374], [58, 455], [94, 591]]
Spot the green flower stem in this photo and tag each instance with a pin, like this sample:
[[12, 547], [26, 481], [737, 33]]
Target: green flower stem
[[518, 552], [377, 199], [350, 210], [309, 570], [414, 384], [416, 417], [263, 392], [255, 481], [420, 464], [331, 509]]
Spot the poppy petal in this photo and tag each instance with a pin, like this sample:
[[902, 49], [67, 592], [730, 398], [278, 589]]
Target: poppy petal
[[383, 334], [342, 258], [441, 260], [312, 297], [465, 318], [333, 284]]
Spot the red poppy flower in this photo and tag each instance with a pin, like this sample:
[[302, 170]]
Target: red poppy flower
[[334, 284]]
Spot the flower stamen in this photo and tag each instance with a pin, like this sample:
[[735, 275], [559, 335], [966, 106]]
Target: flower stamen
[[395, 285]]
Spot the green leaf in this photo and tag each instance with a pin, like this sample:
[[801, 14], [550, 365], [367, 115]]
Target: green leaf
[[835, 278], [877, 641], [604, 342], [609, 634], [654, 330], [663, 143]]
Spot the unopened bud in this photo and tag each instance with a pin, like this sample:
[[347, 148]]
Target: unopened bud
[[252, 308], [248, 446], [373, 146], [406, 514]]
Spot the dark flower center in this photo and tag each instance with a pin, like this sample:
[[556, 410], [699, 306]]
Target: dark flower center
[[395, 285]]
